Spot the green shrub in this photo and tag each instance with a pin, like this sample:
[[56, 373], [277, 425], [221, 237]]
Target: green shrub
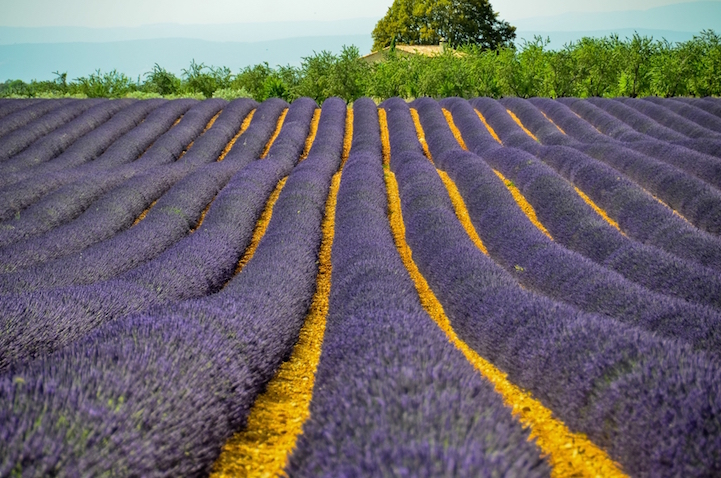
[[252, 79], [162, 82], [199, 78], [103, 85], [230, 94], [142, 95]]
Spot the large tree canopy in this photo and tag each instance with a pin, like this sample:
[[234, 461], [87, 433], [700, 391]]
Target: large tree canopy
[[425, 22]]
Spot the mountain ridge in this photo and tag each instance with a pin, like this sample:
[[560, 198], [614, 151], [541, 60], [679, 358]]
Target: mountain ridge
[[231, 32], [136, 57], [686, 17]]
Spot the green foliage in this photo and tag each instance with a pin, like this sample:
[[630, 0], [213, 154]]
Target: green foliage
[[16, 89], [230, 94], [392, 77], [252, 79], [482, 67], [524, 73], [57, 88], [350, 73], [317, 76], [635, 59], [425, 22], [163, 82], [671, 67], [263, 82], [275, 87], [103, 85], [706, 79], [324, 75], [205, 80], [143, 95], [597, 66], [282, 83], [562, 73], [448, 78], [608, 66]]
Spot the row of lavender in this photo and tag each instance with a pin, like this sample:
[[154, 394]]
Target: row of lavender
[[85, 292], [239, 334], [649, 381], [588, 369], [168, 342]]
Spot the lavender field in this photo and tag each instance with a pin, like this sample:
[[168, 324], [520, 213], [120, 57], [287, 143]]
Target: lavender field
[[437, 288]]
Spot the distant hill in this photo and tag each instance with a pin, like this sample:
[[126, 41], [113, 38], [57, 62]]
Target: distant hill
[[230, 32], [38, 60], [676, 23], [681, 17]]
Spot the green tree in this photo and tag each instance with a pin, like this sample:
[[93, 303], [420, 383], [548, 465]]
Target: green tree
[[350, 74], [634, 58], [707, 64], [562, 72], [524, 73], [324, 75], [445, 75], [597, 65], [672, 68], [425, 22], [317, 76]]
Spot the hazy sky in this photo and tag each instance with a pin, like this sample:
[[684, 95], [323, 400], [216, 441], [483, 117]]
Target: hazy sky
[[114, 13]]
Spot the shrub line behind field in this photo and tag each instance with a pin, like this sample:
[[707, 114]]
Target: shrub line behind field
[[607, 67]]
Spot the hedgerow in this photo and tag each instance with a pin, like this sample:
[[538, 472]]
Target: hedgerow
[[607, 67]]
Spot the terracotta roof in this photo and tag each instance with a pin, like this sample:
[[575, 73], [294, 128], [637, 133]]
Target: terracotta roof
[[427, 50]]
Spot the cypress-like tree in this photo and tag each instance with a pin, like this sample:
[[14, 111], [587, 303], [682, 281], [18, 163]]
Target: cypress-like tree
[[425, 22]]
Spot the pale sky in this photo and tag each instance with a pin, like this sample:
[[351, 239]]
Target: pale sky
[[129, 13]]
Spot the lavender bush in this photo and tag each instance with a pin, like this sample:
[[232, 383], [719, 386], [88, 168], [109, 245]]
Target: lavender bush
[[668, 118], [576, 225], [638, 121], [218, 352], [118, 209], [88, 147], [543, 265], [53, 144], [16, 114], [689, 111], [19, 139], [81, 180]]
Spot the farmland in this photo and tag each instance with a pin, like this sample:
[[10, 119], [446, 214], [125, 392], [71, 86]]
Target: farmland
[[453, 287]]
